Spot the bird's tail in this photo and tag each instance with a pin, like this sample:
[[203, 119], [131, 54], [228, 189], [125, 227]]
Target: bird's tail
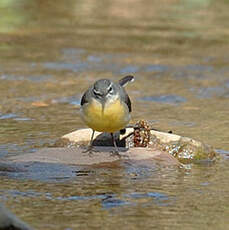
[[124, 81]]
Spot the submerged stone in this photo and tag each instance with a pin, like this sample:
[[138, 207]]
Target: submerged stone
[[184, 149], [136, 145]]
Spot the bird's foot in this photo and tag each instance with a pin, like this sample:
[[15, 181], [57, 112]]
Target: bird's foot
[[115, 153], [90, 150]]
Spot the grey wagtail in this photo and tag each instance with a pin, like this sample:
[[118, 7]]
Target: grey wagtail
[[106, 107]]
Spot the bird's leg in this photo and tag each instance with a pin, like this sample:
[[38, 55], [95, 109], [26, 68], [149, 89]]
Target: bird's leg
[[91, 141], [90, 146], [116, 152]]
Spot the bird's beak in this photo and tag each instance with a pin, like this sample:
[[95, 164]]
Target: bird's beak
[[103, 101]]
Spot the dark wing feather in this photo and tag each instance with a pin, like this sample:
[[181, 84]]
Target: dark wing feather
[[84, 98], [122, 83], [124, 97], [128, 102]]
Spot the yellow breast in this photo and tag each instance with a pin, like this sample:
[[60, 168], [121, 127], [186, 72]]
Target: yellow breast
[[114, 117]]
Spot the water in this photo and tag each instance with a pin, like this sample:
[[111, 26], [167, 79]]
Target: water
[[51, 51]]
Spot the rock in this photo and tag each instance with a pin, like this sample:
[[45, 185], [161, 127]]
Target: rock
[[101, 154], [9, 221], [162, 148], [184, 149]]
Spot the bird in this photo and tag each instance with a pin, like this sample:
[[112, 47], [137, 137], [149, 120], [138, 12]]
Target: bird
[[106, 107]]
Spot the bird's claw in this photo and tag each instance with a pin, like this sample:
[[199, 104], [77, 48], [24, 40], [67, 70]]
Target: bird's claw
[[90, 150]]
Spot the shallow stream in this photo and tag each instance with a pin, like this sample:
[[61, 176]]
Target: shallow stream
[[51, 51]]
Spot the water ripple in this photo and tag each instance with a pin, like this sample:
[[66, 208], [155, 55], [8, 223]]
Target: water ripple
[[167, 99]]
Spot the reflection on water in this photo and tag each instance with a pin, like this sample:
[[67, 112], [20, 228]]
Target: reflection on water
[[165, 197], [50, 51]]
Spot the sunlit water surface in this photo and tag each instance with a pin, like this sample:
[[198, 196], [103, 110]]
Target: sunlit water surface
[[50, 51]]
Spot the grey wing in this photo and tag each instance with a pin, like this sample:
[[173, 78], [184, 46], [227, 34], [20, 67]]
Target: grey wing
[[125, 98], [85, 97], [122, 83]]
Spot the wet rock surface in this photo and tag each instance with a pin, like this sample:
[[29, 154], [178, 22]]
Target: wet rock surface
[[100, 155], [184, 149]]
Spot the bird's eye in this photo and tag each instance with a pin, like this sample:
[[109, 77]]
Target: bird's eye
[[110, 90]]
